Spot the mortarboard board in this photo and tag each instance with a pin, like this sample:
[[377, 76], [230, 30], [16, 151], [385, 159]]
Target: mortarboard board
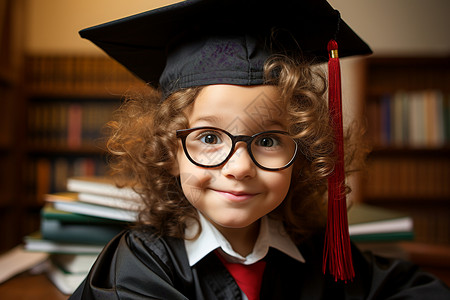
[[145, 42], [202, 42]]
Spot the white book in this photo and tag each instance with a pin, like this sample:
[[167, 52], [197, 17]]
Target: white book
[[67, 283], [366, 219], [435, 120], [404, 224], [128, 204], [74, 263], [96, 210], [100, 186], [417, 120]]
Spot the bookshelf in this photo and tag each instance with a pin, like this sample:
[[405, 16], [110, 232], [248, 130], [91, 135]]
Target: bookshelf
[[55, 131], [69, 100], [407, 111], [11, 45]]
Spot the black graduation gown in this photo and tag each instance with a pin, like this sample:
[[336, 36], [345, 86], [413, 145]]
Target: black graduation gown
[[135, 265]]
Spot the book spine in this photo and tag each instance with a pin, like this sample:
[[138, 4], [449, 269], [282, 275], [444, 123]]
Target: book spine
[[50, 175], [386, 119], [74, 129]]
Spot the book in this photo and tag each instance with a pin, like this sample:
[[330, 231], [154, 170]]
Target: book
[[74, 128], [386, 126], [69, 202], [370, 223], [129, 204], [35, 242], [96, 210], [94, 234], [100, 186], [50, 213], [73, 263], [385, 237], [66, 282]]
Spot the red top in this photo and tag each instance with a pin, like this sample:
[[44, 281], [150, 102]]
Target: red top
[[247, 277]]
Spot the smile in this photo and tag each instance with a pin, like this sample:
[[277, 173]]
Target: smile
[[236, 196]]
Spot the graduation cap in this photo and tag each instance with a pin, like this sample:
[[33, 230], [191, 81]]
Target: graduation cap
[[203, 42]]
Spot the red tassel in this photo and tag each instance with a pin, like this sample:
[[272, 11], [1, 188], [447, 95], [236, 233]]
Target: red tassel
[[337, 250]]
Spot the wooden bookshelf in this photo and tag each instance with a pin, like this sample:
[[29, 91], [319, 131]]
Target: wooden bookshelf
[[69, 100], [55, 131], [11, 40], [53, 108], [407, 110]]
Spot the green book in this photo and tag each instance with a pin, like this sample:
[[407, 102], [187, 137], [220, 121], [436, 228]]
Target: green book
[[94, 234], [48, 212], [373, 223], [385, 237]]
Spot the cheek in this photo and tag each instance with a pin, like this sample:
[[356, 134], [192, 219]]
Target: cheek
[[191, 186], [193, 179], [280, 183]]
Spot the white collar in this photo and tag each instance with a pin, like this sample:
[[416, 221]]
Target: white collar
[[271, 234]]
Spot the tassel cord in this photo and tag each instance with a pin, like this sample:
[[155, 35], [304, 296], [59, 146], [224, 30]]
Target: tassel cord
[[337, 247]]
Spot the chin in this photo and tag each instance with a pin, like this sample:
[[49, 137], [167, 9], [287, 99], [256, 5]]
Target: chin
[[236, 224]]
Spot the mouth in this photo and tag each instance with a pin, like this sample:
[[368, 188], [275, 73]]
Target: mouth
[[236, 196]]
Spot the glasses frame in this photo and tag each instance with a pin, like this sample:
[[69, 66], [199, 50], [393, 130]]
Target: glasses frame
[[183, 133]]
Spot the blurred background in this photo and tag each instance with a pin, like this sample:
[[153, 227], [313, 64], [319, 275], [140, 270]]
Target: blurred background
[[57, 91]]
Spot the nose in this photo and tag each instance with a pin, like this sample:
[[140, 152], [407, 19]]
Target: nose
[[240, 165]]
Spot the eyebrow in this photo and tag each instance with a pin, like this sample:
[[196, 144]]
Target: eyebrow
[[218, 121], [271, 122], [209, 119]]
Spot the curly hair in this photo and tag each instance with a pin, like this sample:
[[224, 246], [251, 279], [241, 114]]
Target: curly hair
[[143, 148]]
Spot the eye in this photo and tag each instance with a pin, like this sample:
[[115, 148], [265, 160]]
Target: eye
[[211, 138], [267, 141]]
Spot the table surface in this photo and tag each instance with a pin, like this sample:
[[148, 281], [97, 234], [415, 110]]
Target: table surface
[[30, 287]]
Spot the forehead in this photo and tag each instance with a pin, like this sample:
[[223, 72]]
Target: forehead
[[241, 108]]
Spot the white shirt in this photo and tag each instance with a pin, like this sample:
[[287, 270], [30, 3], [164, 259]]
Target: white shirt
[[271, 234]]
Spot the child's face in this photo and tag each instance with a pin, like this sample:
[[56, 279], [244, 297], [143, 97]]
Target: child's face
[[237, 193]]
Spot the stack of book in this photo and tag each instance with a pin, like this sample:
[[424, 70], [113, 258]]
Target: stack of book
[[98, 197], [77, 224]]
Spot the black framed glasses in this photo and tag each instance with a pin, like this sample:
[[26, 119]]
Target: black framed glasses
[[210, 147]]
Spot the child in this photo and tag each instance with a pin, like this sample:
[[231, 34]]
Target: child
[[231, 155]]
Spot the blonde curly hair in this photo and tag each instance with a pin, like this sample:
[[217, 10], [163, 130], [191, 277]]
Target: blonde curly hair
[[143, 148]]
